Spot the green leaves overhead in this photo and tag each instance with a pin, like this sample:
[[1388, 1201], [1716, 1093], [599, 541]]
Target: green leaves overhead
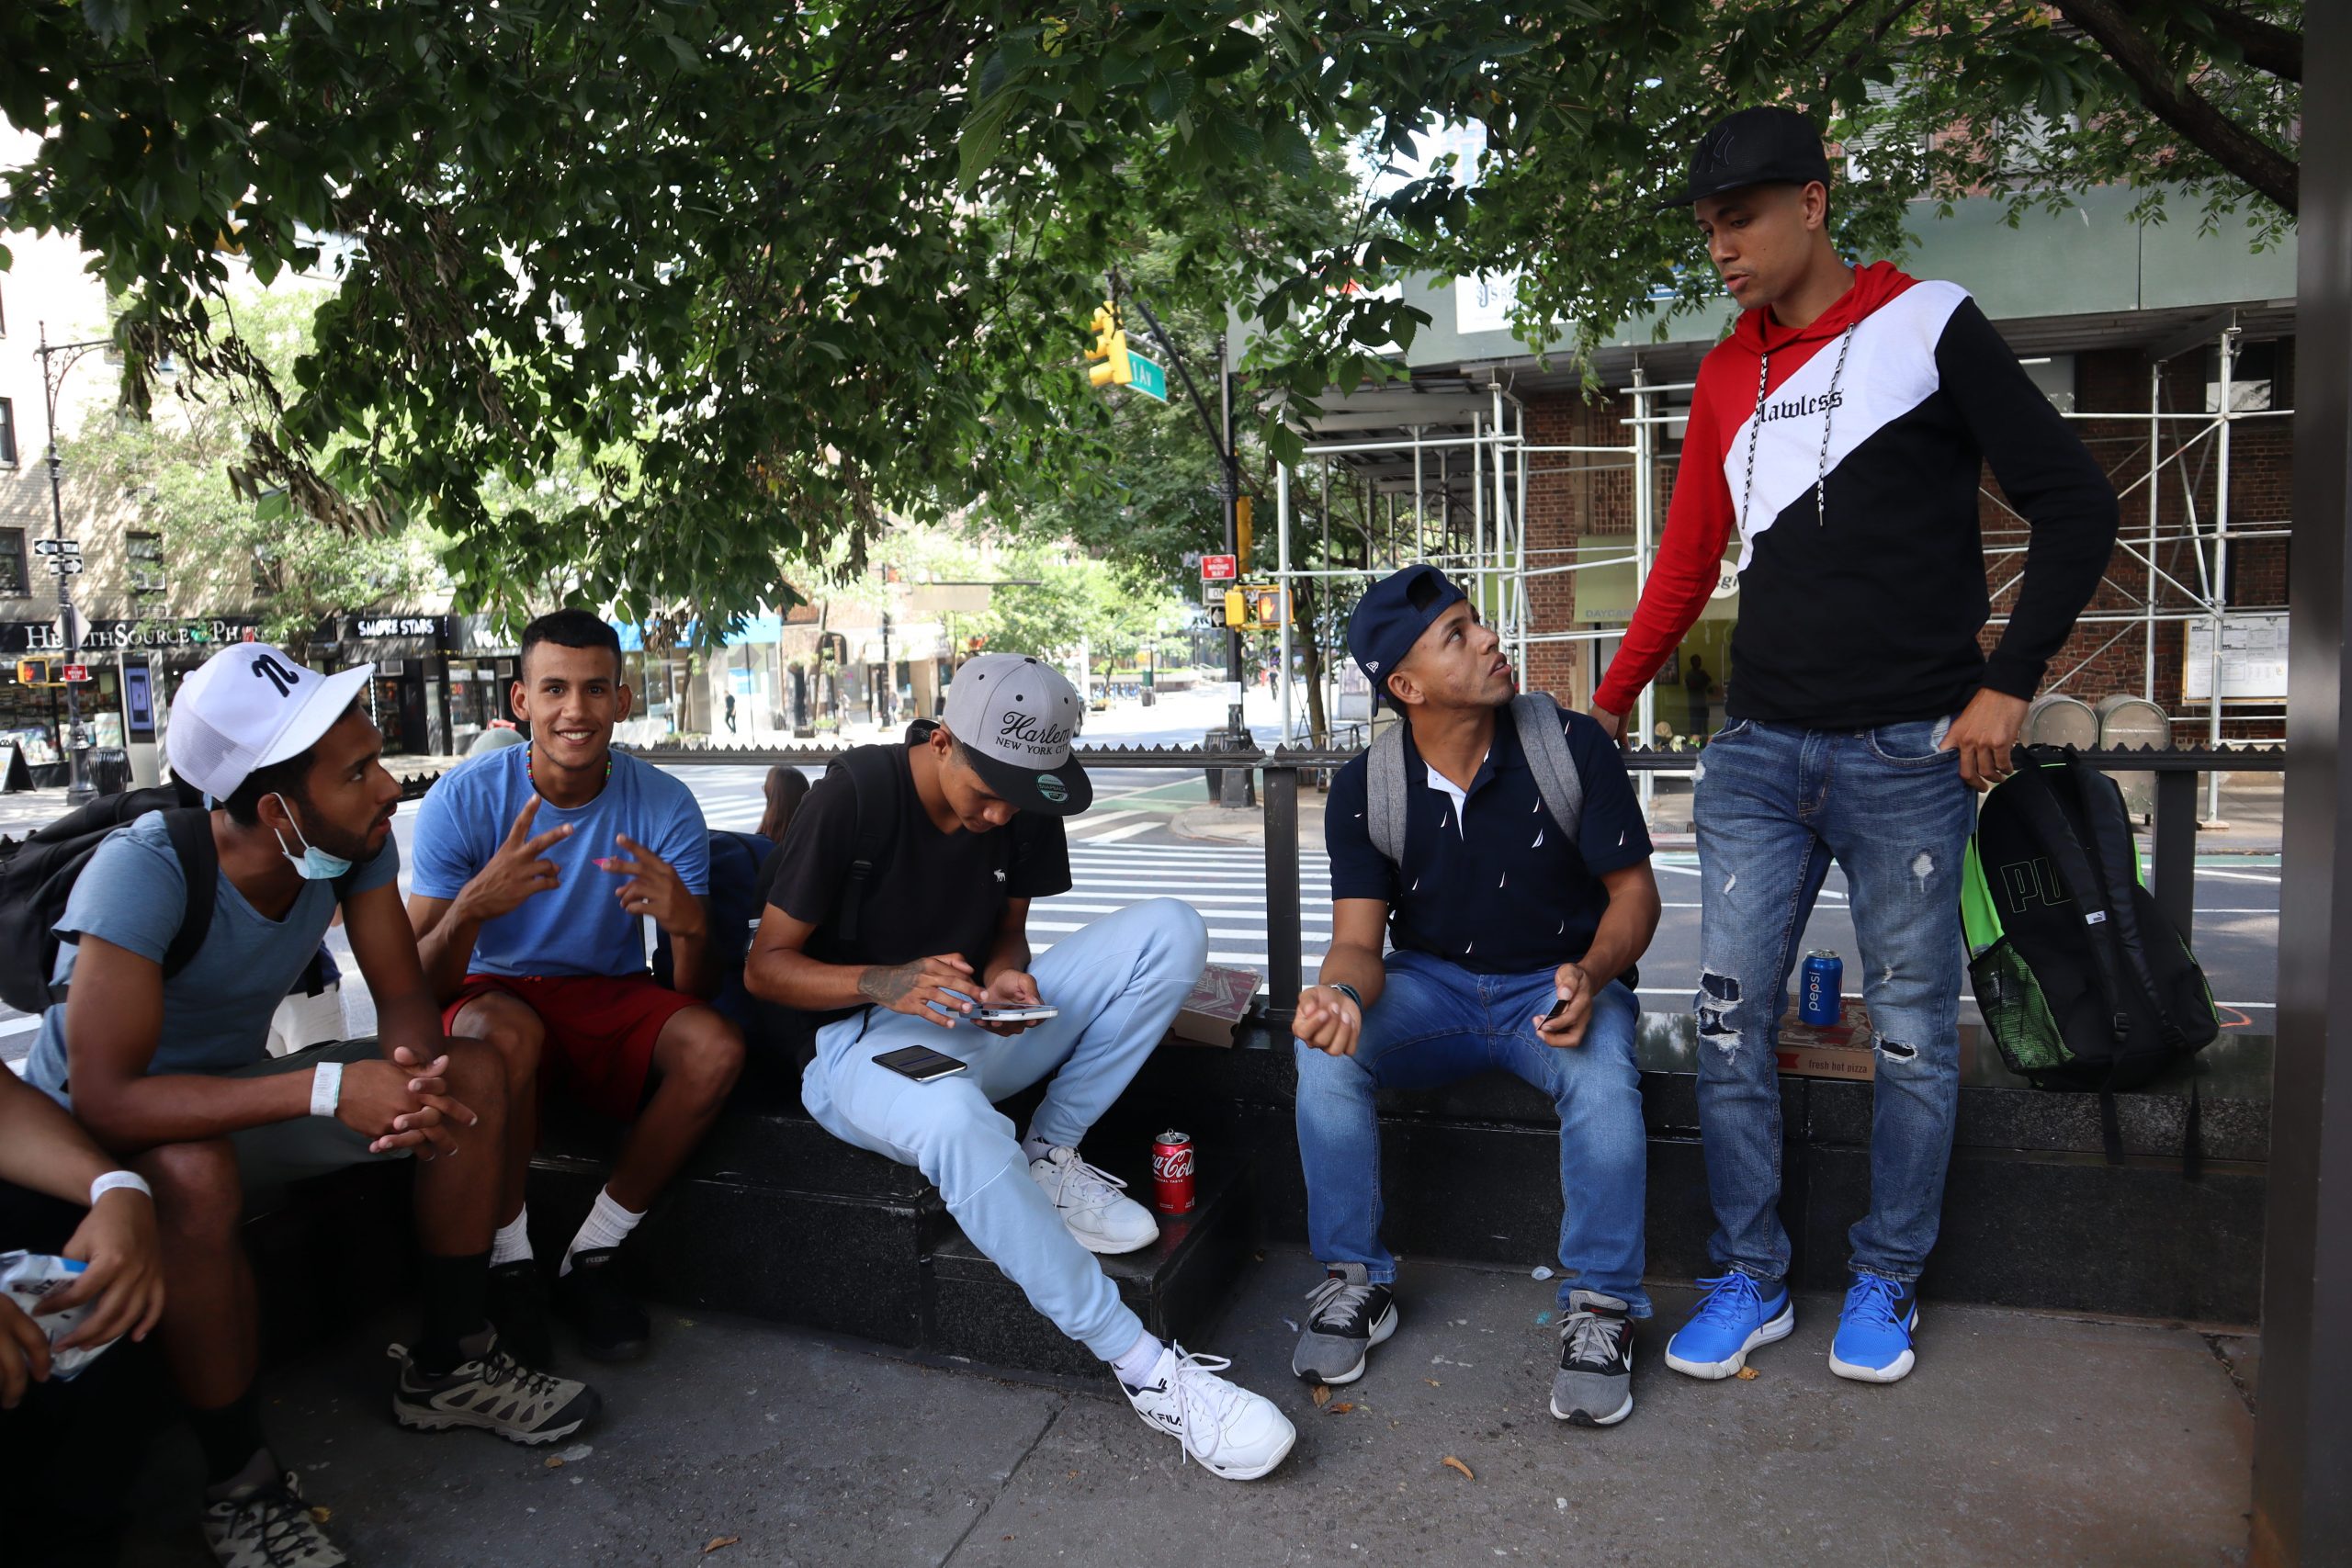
[[776, 275]]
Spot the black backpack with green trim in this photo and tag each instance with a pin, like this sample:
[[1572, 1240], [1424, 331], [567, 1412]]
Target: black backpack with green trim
[[2084, 982]]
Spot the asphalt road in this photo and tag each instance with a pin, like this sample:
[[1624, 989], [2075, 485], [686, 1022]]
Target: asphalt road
[[1125, 849]]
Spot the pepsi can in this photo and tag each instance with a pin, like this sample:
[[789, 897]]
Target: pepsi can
[[1818, 982]]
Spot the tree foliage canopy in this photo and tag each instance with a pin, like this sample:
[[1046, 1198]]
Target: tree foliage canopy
[[220, 549], [773, 275]]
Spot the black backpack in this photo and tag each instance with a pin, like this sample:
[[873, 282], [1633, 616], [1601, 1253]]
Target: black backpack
[[2083, 981], [738, 893], [38, 874]]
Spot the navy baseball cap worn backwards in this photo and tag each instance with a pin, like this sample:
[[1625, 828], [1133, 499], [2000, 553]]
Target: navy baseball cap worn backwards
[[1392, 616]]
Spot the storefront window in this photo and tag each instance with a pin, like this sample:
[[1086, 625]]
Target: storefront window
[[28, 718]]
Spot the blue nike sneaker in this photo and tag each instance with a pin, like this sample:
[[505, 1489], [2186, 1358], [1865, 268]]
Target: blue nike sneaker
[[1735, 1318], [1874, 1327]]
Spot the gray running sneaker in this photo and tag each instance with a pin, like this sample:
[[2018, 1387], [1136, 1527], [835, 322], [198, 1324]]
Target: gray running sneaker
[[1347, 1315], [493, 1390], [266, 1525], [1594, 1386]]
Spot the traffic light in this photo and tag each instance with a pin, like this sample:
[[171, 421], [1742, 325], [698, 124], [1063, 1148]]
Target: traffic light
[[1111, 347], [1241, 530], [37, 672], [1256, 608]]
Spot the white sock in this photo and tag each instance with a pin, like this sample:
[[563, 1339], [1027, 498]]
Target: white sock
[[1035, 1148], [511, 1243], [1137, 1364], [608, 1225]]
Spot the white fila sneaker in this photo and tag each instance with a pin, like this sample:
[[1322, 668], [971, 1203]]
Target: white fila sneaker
[[1236, 1435]]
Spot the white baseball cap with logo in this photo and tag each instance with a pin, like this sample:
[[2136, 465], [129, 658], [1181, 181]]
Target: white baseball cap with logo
[[249, 705], [1016, 718]]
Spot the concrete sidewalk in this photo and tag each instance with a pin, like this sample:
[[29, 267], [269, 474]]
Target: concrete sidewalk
[[2020, 1439]]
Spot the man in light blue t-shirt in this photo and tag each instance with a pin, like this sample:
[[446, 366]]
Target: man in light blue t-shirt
[[171, 1070], [535, 869]]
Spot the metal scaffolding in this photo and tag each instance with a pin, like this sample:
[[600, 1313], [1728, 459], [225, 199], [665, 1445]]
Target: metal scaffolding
[[1442, 471]]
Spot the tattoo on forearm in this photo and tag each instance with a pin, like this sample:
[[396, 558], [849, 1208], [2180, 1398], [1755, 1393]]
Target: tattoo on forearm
[[888, 985]]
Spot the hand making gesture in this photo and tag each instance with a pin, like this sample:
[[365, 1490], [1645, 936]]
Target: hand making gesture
[[653, 888], [517, 871]]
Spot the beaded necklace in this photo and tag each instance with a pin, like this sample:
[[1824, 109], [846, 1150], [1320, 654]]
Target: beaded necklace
[[533, 779]]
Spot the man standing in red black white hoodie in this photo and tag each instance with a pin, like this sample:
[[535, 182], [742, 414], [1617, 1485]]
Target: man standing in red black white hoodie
[[1837, 437]]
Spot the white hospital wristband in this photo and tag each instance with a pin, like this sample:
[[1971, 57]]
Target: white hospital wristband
[[326, 1088], [114, 1179]]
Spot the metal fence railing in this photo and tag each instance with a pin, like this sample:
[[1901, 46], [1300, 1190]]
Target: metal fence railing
[[2172, 848]]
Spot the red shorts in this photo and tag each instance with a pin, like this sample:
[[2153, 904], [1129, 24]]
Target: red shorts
[[600, 1028]]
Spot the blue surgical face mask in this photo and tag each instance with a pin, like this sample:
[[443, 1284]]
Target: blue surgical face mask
[[315, 863]]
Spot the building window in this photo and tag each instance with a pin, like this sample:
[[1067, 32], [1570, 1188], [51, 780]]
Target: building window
[[146, 553], [2252, 369], [14, 583], [8, 433], [2054, 374]]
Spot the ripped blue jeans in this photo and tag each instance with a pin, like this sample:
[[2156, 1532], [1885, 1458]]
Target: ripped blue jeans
[[1773, 804]]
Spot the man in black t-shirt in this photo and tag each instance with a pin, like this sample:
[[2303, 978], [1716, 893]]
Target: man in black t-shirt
[[938, 931]]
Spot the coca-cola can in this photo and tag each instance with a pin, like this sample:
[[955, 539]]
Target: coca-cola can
[[1171, 1172]]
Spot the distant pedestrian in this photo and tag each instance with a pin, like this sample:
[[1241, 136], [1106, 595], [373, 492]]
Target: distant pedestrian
[[730, 713], [1700, 685]]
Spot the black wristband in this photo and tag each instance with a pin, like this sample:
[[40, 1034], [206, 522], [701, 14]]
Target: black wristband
[[1347, 991]]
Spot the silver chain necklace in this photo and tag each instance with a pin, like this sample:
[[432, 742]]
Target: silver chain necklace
[[1820, 465]]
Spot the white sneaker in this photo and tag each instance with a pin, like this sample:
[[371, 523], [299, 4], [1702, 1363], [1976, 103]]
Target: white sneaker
[[1235, 1434], [266, 1524], [1093, 1204]]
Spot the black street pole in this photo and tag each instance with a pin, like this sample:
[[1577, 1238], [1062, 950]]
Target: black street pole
[[1232, 524], [1221, 437], [2302, 1429], [57, 360]]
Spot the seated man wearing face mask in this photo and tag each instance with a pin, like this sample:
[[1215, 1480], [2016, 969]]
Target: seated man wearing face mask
[[158, 1051]]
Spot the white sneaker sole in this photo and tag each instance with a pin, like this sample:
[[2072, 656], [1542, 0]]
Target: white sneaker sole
[[1106, 1245], [1893, 1372], [1382, 1332], [1586, 1418], [447, 1420], [1227, 1473], [1767, 1333]]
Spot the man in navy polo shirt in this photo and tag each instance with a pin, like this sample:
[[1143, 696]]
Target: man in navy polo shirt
[[1514, 948]]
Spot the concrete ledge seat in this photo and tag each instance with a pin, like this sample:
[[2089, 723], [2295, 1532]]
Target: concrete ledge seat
[[2033, 1215], [775, 1218]]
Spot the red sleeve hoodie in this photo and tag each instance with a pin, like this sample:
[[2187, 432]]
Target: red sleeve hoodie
[[1848, 453]]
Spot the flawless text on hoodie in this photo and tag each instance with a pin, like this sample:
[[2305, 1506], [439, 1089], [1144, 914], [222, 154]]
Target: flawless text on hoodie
[[1848, 455]]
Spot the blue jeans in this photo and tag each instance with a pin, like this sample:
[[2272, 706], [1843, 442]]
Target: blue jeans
[[1118, 983], [1773, 804], [1436, 1022]]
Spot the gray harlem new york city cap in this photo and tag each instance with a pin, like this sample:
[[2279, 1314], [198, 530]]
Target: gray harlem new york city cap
[[1016, 718]]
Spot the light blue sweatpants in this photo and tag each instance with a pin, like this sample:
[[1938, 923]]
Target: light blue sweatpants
[[1118, 984]]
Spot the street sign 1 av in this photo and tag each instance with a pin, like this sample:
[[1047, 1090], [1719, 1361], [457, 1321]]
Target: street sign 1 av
[[65, 566], [1220, 569], [1147, 377], [57, 546]]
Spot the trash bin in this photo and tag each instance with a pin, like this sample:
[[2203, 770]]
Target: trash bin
[[1223, 740], [109, 769]]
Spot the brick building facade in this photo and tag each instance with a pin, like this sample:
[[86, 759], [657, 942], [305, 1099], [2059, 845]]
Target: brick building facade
[[1580, 506]]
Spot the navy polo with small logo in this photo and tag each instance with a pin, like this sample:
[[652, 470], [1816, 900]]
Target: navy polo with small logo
[[1492, 884]]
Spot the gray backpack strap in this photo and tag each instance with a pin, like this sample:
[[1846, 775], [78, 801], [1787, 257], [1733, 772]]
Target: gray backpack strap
[[1546, 745], [1384, 793]]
